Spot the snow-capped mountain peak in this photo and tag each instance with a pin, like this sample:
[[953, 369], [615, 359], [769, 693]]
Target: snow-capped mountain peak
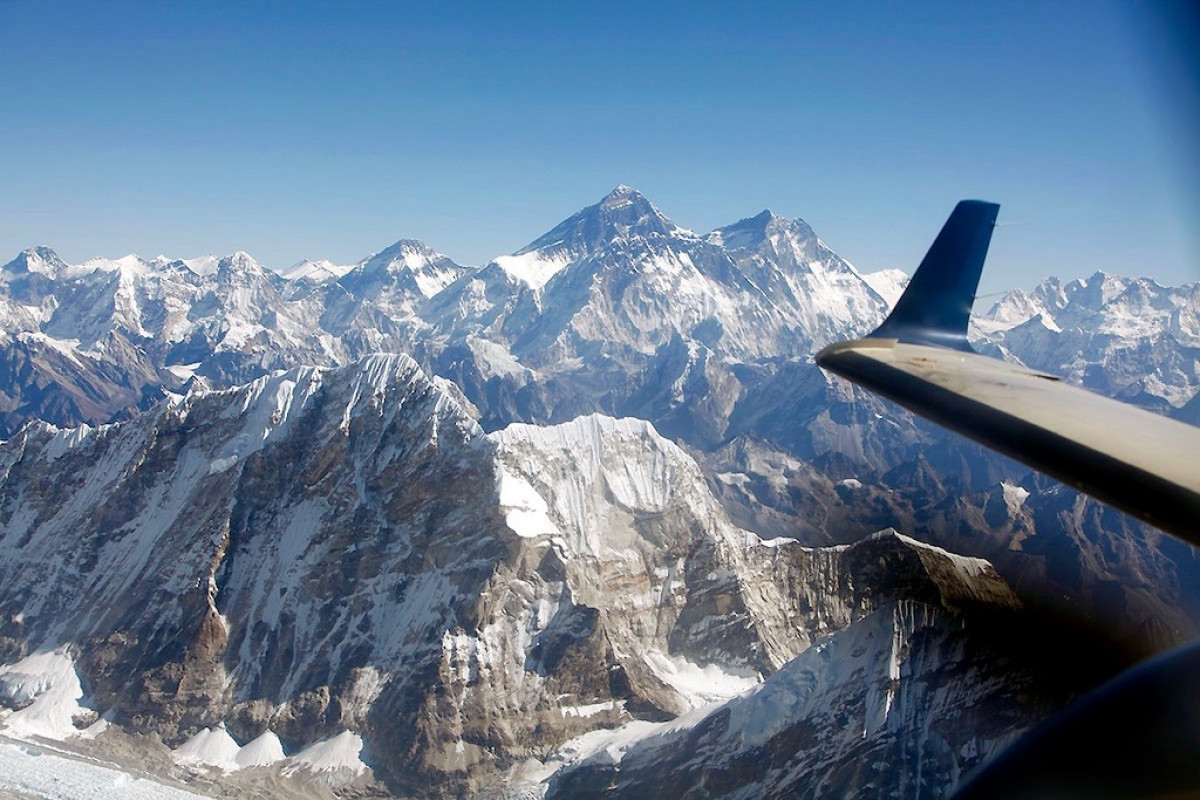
[[888, 284], [622, 214], [38, 259], [745, 234], [410, 262], [771, 235], [129, 265], [203, 265], [318, 271], [239, 261]]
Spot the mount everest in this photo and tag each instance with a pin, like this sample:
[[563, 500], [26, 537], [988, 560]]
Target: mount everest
[[480, 566]]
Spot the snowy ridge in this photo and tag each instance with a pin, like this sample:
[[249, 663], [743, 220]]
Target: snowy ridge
[[354, 566], [585, 459], [615, 287], [1123, 337], [320, 271], [45, 688], [888, 284], [812, 722], [967, 566]]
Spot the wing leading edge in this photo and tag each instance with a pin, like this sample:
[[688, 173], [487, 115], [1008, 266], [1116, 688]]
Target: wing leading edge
[[1143, 463]]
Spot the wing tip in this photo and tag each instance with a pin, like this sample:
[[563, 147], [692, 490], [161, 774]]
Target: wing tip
[[935, 309]]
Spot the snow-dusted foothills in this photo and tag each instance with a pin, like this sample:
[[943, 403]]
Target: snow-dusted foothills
[[566, 524]]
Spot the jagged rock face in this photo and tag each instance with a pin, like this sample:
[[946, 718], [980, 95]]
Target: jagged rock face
[[233, 550], [901, 701], [330, 551], [350, 552], [898, 705], [1069, 555]]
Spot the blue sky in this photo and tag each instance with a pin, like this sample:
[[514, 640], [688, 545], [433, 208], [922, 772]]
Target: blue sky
[[304, 130]]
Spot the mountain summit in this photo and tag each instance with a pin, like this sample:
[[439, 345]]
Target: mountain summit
[[623, 213], [409, 263], [495, 533]]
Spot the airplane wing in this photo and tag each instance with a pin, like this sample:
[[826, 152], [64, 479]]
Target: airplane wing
[[1139, 735], [1145, 464]]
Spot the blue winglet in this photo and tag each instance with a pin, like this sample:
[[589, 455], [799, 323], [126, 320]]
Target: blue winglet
[[936, 306]]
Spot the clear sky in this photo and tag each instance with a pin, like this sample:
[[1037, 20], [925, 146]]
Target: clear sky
[[304, 130]]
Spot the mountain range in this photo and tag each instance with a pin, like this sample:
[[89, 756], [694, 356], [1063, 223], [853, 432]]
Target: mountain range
[[567, 524]]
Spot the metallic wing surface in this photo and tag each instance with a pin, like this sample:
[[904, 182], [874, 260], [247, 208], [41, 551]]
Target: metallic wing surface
[[1139, 735], [1143, 463]]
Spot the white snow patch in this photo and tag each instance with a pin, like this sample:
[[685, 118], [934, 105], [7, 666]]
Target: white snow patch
[[778, 541], [183, 372], [534, 268], [130, 264], [699, 686], [592, 709], [604, 746], [738, 479], [317, 271], [494, 359], [429, 278], [263, 751], [591, 466], [33, 772], [69, 348], [524, 509], [887, 283], [48, 688], [851, 483], [67, 439], [267, 411], [342, 752], [211, 747], [204, 265], [1014, 497]]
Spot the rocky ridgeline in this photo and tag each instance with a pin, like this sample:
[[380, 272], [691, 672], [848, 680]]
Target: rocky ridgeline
[[481, 566], [323, 554]]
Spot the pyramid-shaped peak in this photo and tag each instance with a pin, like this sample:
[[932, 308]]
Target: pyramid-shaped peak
[[622, 194], [37, 259], [410, 255], [238, 263], [409, 246], [626, 197], [624, 213], [413, 264], [240, 258]]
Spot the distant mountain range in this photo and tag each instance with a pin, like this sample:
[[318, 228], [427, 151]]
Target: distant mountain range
[[569, 523]]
